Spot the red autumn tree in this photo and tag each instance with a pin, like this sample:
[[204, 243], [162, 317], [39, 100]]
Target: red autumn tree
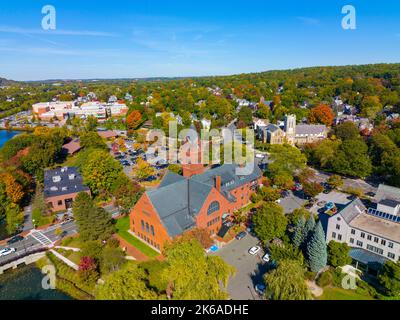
[[134, 119], [322, 114], [88, 270]]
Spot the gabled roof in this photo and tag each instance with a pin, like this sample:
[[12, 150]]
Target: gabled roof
[[178, 203], [307, 129], [63, 181], [170, 178], [387, 192], [352, 210], [178, 200], [229, 179]]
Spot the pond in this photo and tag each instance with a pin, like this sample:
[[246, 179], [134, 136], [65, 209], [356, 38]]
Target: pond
[[25, 283]]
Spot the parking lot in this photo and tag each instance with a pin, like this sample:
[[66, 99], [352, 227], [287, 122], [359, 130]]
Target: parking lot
[[291, 202], [338, 198], [249, 269]]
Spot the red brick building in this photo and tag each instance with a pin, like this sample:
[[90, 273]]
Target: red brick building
[[202, 200]]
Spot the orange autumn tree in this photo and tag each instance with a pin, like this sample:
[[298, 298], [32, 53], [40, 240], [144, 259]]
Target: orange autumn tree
[[134, 120], [13, 189], [321, 114]]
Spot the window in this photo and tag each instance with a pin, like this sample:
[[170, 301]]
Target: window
[[337, 227], [59, 202], [147, 228], [359, 243], [391, 255], [362, 235], [374, 249], [383, 242], [376, 240], [152, 230], [142, 225], [391, 245], [214, 207], [353, 231], [339, 237], [369, 237], [133, 222], [333, 235], [351, 240]]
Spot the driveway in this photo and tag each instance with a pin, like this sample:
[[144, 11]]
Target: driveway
[[249, 269], [291, 202], [338, 198]]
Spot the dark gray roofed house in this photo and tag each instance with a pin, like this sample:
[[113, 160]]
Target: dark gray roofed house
[[61, 187]]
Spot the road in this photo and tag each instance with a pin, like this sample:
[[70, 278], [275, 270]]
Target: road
[[39, 239], [249, 269], [367, 187]]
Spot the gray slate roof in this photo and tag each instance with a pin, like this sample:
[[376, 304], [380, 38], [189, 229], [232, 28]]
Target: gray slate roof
[[308, 129], [66, 185], [387, 192], [352, 210], [178, 200]]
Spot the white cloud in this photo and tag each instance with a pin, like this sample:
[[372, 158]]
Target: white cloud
[[16, 30], [309, 21]]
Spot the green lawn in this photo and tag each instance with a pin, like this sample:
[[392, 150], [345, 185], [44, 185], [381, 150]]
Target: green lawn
[[342, 294], [122, 226]]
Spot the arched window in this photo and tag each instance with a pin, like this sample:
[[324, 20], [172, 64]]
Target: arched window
[[147, 228], [214, 207]]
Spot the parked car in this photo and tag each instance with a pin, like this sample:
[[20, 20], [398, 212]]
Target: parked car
[[267, 258], [7, 251], [285, 193], [241, 235], [329, 206], [15, 239], [254, 250], [260, 289]]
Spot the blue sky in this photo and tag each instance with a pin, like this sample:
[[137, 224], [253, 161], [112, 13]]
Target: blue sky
[[146, 38]]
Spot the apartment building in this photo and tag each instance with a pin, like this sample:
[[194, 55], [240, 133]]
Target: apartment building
[[373, 233]]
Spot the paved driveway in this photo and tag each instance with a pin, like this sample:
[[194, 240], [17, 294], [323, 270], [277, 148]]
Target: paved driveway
[[291, 202], [249, 269]]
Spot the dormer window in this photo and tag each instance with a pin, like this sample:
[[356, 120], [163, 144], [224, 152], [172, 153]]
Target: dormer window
[[71, 176], [56, 179]]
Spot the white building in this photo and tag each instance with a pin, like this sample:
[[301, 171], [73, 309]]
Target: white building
[[373, 233]]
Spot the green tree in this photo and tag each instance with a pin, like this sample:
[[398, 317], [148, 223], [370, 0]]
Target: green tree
[[297, 214], [389, 278], [129, 283], [100, 171], [191, 274], [347, 131], [335, 181], [338, 254], [370, 106], [112, 259], [287, 282], [270, 222], [308, 229], [298, 234], [93, 223], [92, 140], [270, 194], [316, 249]]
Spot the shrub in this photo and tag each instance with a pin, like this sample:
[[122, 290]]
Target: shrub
[[325, 279]]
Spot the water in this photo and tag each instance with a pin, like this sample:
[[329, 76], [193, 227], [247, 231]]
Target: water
[[25, 283], [6, 135]]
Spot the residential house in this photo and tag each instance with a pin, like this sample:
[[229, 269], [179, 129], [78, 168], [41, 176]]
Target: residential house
[[61, 186]]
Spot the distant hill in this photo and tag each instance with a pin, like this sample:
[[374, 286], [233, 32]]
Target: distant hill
[[6, 82]]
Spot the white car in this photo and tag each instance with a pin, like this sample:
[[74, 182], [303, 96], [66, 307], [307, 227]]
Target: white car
[[254, 250], [6, 251], [266, 257]]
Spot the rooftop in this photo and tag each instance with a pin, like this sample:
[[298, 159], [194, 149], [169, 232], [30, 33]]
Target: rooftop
[[63, 181], [387, 192], [308, 129], [189, 195]]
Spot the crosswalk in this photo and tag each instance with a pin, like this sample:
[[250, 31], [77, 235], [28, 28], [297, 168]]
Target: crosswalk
[[40, 237]]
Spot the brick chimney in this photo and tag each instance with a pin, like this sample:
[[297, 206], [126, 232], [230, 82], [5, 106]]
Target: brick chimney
[[218, 183]]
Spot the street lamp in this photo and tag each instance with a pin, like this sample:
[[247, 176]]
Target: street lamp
[[33, 222]]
